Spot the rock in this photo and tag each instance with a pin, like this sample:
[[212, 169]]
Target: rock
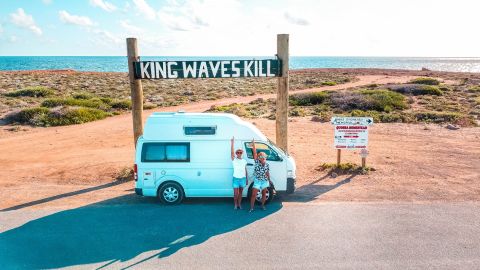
[[452, 127], [425, 69], [333, 175]]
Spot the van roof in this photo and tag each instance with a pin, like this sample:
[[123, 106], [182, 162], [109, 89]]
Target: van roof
[[170, 126]]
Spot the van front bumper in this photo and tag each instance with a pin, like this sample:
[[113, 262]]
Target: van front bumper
[[139, 191], [290, 185]]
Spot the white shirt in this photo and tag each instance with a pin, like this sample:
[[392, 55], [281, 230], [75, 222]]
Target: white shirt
[[239, 165]]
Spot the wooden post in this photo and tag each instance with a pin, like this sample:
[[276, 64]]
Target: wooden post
[[364, 162], [339, 156], [136, 90], [281, 117]]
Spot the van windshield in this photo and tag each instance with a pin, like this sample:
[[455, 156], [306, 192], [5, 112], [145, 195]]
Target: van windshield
[[274, 146]]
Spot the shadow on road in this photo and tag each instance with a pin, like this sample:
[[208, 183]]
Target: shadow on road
[[314, 190], [61, 196], [120, 229]]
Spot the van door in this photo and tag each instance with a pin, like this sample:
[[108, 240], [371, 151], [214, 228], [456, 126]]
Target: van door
[[278, 167]]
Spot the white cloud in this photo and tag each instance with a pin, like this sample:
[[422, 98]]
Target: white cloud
[[296, 20], [109, 7], [12, 39], [107, 37], [75, 19], [145, 9], [130, 29], [21, 19], [1, 29], [47, 2]]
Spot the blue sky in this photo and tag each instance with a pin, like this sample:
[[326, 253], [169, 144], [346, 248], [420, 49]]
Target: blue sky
[[234, 27]]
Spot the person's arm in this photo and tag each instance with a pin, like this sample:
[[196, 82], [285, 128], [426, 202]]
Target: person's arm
[[232, 151], [254, 150], [246, 176]]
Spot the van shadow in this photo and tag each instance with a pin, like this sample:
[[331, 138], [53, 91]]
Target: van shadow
[[120, 229], [314, 190]]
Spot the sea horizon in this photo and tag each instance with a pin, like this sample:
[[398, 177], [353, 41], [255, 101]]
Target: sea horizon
[[119, 63]]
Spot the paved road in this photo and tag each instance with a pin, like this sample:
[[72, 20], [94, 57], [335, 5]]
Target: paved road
[[207, 234]]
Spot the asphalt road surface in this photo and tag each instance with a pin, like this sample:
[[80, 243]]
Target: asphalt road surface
[[138, 233]]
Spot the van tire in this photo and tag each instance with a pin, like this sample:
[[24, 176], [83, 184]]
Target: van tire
[[170, 193], [258, 200]]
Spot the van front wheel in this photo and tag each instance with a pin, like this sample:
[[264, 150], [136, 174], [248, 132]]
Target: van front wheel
[[170, 193], [258, 197]]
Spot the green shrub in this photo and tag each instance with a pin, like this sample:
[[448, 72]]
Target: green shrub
[[428, 90], [82, 96], [308, 99], [383, 100], [437, 117], [30, 116], [425, 80], [359, 113], [42, 116], [122, 104], [297, 112], [35, 91], [474, 88], [329, 83], [89, 103]]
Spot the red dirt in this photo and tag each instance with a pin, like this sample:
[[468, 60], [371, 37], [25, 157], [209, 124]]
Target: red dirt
[[413, 164]]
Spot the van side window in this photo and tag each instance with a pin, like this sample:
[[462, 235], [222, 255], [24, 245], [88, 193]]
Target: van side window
[[261, 147], [200, 130], [166, 152]]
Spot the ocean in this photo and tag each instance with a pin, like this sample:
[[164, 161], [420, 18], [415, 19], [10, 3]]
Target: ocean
[[119, 63]]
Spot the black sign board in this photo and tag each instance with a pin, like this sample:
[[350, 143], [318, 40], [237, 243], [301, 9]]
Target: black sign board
[[207, 69]]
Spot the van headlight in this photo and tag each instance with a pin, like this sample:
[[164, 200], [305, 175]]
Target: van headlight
[[290, 173]]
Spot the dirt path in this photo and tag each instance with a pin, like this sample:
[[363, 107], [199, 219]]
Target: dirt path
[[43, 162]]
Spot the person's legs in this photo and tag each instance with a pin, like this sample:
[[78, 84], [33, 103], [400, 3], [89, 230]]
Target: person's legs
[[239, 198], [264, 196], [235, 197], [252, 198]]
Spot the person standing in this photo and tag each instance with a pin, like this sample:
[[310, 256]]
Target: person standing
[[261, 174], [240, 180]]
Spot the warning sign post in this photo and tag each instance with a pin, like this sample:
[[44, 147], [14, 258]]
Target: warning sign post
[[351, 133]]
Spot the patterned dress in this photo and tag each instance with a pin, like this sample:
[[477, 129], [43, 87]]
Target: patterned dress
[[260, 171]]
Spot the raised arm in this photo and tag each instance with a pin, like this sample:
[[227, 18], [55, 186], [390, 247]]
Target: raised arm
[[254, 150], [232, 151]]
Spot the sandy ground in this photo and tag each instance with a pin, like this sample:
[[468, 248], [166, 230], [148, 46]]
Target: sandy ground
[[75, 165]]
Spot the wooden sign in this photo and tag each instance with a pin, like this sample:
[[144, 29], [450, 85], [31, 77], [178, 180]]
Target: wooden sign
[[207, 69]]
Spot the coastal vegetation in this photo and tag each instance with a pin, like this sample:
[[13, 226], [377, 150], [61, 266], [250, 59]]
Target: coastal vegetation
[[62, 92], [405, 103]]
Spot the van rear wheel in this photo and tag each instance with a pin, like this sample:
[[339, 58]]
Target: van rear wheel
[[171, 193]]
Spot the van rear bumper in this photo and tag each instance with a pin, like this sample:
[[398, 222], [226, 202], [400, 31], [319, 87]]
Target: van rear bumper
[[139, 191]]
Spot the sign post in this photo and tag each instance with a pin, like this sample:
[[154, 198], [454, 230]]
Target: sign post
[[278, 67], [136, 90], [351, 133], [281, 117]]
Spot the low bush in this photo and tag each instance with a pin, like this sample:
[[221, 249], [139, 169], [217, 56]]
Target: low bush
[[417, 89], [41, 116], [425, 80], [82, 96], [437, 117], [122, 104], [89, 103], [36, 91], [329, 83], [344, 168], [308, 99], [365, 100], [474, 88]]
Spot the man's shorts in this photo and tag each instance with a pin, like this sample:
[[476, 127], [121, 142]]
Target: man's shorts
[[261, 185], [239, 182]]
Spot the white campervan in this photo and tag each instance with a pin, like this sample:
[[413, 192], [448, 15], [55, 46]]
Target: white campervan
[[188, 155]]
